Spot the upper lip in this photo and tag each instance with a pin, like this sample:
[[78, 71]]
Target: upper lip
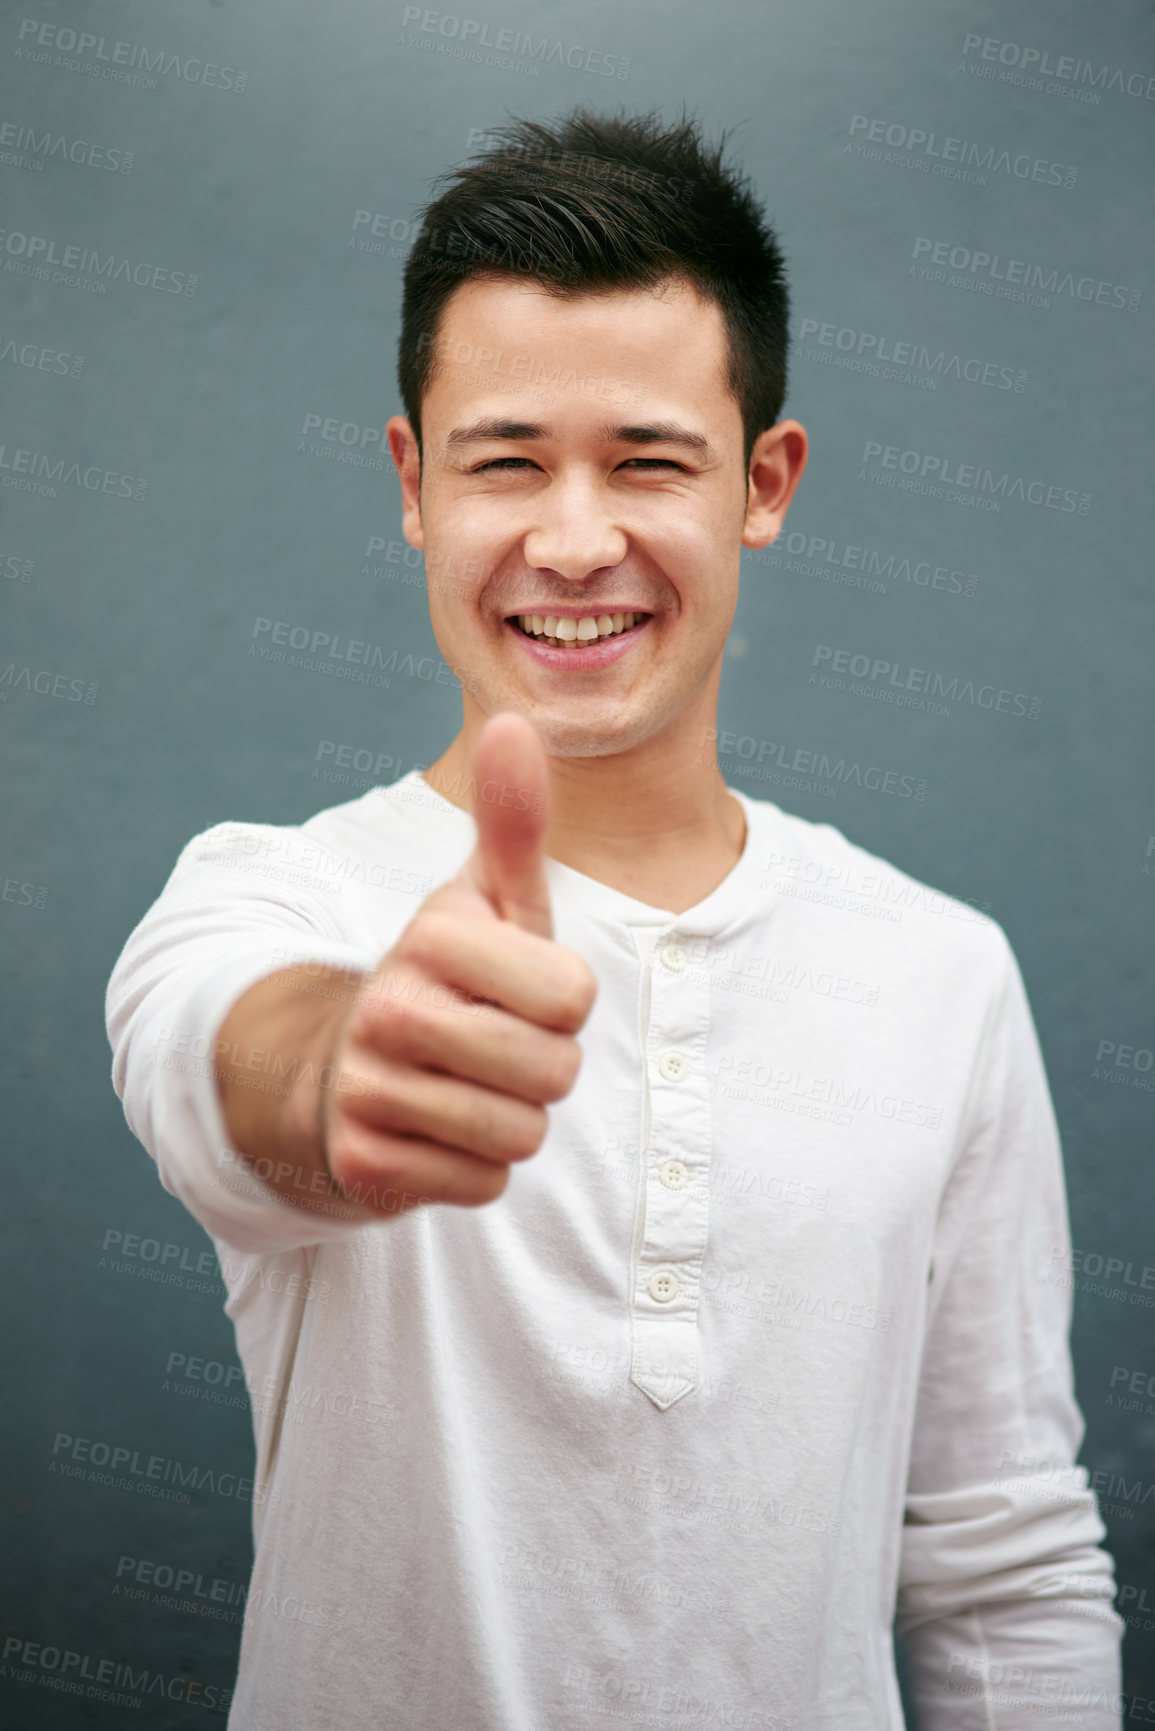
[[575, 612]]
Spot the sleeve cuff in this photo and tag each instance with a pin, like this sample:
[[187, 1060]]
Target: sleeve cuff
[[194, 1157]]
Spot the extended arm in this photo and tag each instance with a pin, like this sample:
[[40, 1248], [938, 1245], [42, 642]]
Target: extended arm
[[1005, 1594]]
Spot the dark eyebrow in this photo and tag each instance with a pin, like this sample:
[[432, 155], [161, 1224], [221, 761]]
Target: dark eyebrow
[[652, 433], [496, 429], [658, 433]]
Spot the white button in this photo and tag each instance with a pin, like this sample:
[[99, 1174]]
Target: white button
[[673, 1067], [663, 1286], [672, 957], [673, 1175]]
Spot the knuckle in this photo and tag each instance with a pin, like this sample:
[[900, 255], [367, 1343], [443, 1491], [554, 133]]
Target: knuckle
[[352, 1164], [410, 1034], [384, 1096], [371, 1018], [379, 1103], [428, 936], [397, 1016]]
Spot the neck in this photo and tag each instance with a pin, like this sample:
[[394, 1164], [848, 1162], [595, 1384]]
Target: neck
[[656, 822]]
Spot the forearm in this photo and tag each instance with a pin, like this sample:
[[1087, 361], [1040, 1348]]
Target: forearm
[[273, 1069]]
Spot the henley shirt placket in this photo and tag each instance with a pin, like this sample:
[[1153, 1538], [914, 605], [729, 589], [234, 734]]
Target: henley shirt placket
[[674, 1181]]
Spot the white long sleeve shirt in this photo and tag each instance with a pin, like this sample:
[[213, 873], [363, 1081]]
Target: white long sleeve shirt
[[764, 1347]]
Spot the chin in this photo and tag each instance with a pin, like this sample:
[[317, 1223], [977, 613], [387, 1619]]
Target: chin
[[562, 736]]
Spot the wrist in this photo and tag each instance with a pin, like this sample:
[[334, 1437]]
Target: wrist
[[281, 1037], [320, 1015]]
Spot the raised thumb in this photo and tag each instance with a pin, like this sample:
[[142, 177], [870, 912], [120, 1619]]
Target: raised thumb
[[510, 808]]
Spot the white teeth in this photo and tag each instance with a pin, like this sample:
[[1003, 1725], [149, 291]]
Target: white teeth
[[559, 629]]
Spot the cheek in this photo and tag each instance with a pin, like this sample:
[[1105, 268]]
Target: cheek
[[692, 558], [453, 609], [457, 565], [682, 534], [467, 547]]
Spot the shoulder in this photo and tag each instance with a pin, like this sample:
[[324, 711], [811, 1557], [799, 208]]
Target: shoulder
[[401, 828], [830, 881]]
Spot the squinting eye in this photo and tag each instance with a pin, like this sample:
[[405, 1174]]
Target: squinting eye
[[510, 462]]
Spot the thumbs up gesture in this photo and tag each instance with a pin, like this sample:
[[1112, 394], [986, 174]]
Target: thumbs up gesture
[[454, 1047]]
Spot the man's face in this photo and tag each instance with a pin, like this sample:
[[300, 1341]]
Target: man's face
[[582, 458]]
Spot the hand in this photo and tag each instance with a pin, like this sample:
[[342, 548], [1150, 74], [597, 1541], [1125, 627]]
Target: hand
[[454, 1047]]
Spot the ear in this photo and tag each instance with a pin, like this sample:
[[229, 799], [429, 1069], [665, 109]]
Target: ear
[[776, 465], [407, 461]]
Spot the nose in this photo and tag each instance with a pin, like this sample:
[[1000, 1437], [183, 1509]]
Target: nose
[[574, 530]]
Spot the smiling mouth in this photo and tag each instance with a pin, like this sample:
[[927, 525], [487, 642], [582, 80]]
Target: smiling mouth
[[561, 632]]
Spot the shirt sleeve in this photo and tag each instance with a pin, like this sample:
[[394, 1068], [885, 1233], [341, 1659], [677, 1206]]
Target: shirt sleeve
[[241, 903], [1005, 1594]]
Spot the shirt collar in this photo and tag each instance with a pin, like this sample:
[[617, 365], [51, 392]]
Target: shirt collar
[[737, 898]]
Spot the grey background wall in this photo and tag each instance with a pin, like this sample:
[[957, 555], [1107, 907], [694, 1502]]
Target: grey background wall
[[963, 191]]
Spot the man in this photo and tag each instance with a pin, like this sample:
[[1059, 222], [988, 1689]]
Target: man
[[635, 1378]]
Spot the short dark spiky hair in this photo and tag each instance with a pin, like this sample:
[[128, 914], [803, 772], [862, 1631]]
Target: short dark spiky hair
[[593, 202]]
